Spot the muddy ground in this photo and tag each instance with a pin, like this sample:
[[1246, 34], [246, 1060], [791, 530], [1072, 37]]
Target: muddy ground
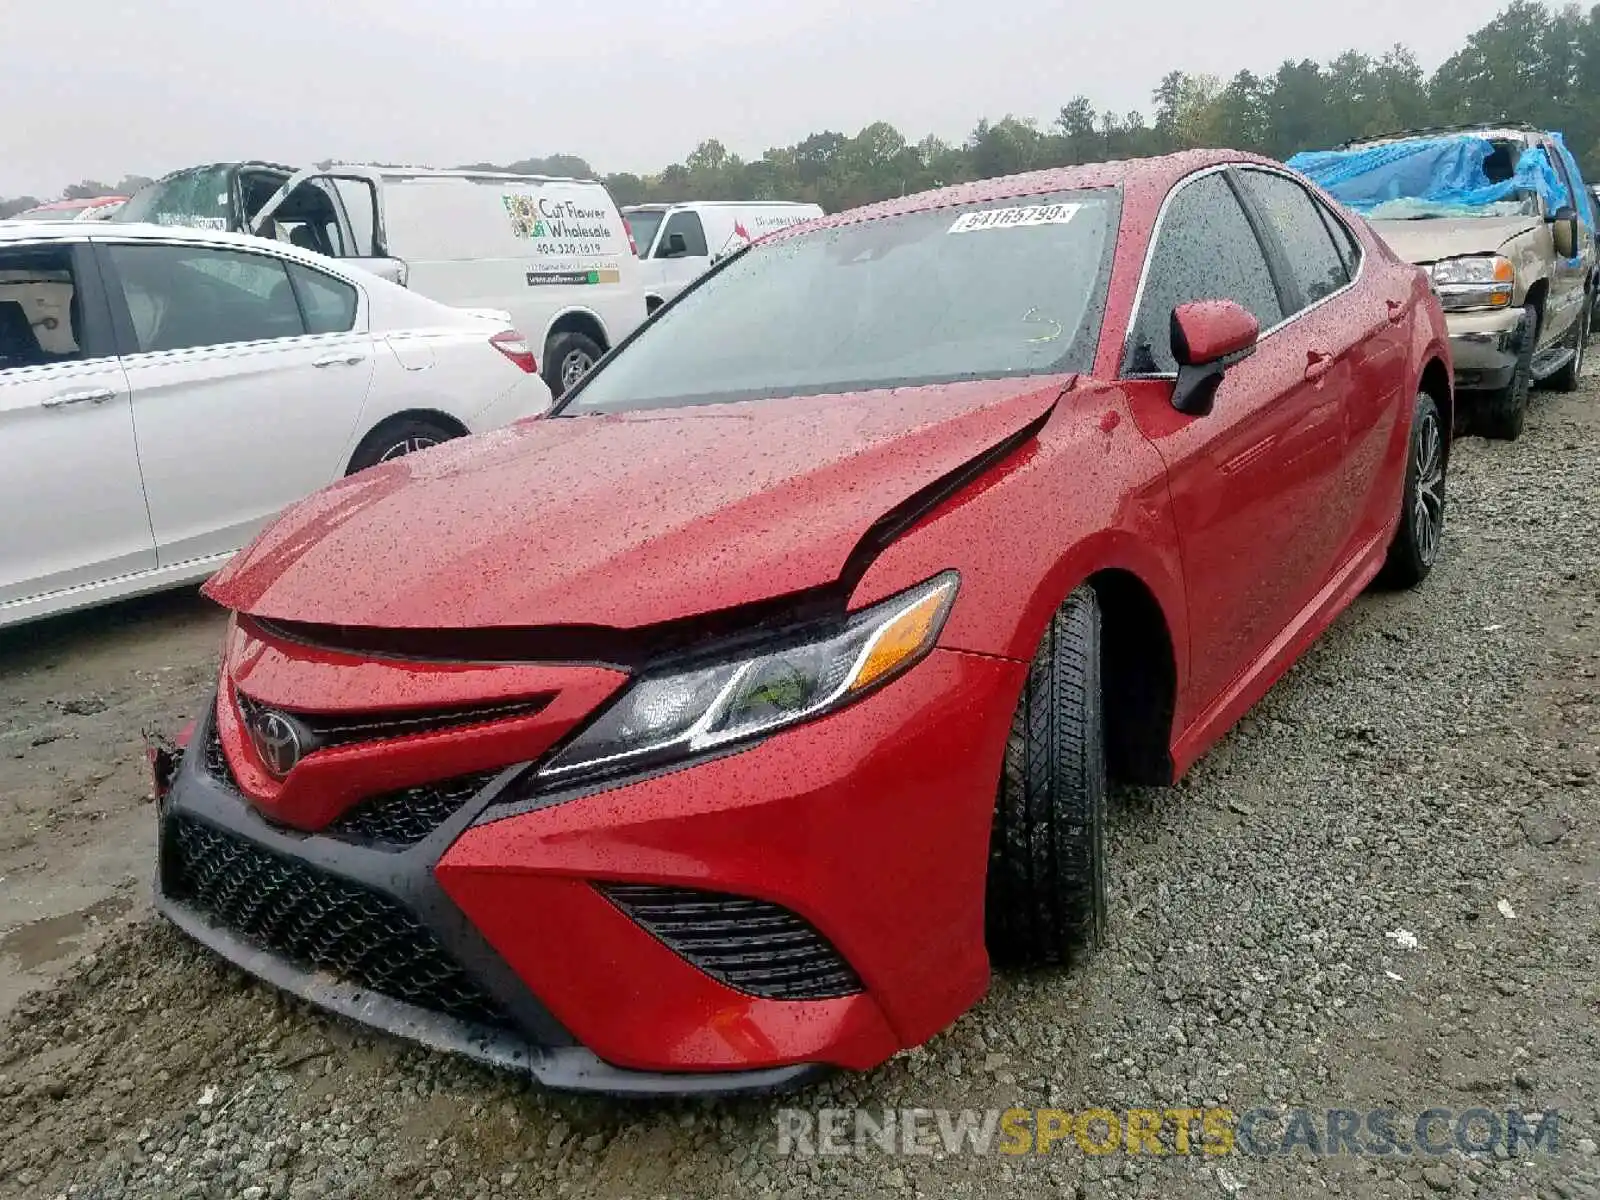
[[1382, 890]]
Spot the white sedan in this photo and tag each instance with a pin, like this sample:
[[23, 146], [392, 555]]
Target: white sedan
[[165, 392]]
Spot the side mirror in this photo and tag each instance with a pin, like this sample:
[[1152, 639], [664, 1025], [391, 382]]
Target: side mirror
[[675, 246], [1565, 231], [1208, 337]]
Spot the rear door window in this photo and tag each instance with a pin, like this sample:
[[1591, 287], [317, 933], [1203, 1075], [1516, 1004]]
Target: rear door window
[[1205, 250], [41, 314], [180, 297], [329, 304], [1308, 247]]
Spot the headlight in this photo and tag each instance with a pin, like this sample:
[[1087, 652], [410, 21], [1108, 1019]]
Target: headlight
[[1484, 281], [670, 716]]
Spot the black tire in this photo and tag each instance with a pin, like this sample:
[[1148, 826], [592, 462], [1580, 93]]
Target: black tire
[[1047, 886], [1505, 411], [1566, 379], [565, 353], [1416, 542], [394, 439]]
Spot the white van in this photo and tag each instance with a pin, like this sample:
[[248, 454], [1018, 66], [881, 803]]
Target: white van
[[678, 242], [554, 253]]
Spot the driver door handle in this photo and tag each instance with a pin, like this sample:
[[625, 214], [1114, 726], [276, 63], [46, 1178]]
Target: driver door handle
[[93, 396], [1317, 363], [340, 360]]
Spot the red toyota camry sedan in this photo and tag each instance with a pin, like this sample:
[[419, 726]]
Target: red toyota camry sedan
[[722, 725]]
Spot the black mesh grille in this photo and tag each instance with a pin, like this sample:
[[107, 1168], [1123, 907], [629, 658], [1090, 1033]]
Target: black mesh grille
[[316, 920], [753, 946], [396, 820], [216, 762]]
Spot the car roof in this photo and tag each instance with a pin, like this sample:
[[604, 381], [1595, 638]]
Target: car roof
[[628, 208], [1144, 173], [39, 231], [81, 203]]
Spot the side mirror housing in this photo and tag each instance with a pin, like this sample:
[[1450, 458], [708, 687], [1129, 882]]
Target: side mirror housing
[[674, 247], [1565, 231], [1208, 337]]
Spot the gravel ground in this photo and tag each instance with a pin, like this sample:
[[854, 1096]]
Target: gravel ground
[[1428, 769]]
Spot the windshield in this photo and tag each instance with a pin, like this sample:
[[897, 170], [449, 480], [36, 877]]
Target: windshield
[[643, 226], [201, 199], [1013, 287]]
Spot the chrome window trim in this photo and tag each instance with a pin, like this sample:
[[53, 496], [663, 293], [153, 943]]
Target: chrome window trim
[[1160, 224]]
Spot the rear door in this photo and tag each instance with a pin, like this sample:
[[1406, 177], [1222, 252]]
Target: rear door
[[1252, 481], [248, 375], [1360, 336], [73, 510]]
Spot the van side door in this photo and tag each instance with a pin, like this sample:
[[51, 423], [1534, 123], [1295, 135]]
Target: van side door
[[355, 197]]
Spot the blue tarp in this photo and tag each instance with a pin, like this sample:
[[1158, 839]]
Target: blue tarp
[[1436, 172]]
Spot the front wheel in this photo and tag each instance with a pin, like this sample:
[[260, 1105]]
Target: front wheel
[[1417, 540], [1505, 411], [1047, 881]]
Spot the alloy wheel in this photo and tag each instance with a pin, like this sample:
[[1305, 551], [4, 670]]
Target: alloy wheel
[[407, 446], [1427, 510]]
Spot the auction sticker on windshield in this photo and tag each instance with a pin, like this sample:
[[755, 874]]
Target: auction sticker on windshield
[[1014, 218]]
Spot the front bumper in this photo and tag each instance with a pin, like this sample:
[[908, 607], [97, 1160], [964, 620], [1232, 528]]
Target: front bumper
[[1484, 347], [871, 825]]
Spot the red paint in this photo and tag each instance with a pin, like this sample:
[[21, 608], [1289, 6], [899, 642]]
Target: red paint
[[1214, 329], [1251, 528]]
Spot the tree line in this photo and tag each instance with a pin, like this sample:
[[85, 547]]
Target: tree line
[[1532, 63]]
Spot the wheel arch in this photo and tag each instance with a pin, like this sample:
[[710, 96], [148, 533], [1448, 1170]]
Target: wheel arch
[[1435, 380], [1139, 678], [576, 319], [433, 416]]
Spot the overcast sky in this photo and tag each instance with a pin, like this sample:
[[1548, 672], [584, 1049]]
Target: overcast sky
[[100, 88]]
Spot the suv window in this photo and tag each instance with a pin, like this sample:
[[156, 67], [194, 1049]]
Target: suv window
[[183, 296], [1205, 250], [329, 304], [694, 235], [1307, 245], [40, 315]]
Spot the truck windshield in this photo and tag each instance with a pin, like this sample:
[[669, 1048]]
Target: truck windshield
[[199, 199], [980, 291]]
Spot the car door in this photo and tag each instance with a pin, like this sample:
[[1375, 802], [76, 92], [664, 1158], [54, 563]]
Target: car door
[[346, 204], [74, 510], [1569, 277], [248, 373], [681, 252], [1361, 335], [1251, 482]]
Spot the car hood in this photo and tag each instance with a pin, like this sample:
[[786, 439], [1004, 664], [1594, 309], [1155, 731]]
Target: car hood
[[621, 520], [1433, 239]]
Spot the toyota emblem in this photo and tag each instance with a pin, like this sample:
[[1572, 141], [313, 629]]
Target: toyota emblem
[[277, 741]]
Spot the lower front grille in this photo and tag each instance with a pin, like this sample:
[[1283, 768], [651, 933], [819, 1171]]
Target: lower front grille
[[396, 820], [751, 945], [315, 919]]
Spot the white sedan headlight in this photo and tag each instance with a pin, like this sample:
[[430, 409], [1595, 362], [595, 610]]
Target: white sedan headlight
[[665, 717]]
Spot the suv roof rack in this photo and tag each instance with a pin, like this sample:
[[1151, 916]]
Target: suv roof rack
[[1434, 130]]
